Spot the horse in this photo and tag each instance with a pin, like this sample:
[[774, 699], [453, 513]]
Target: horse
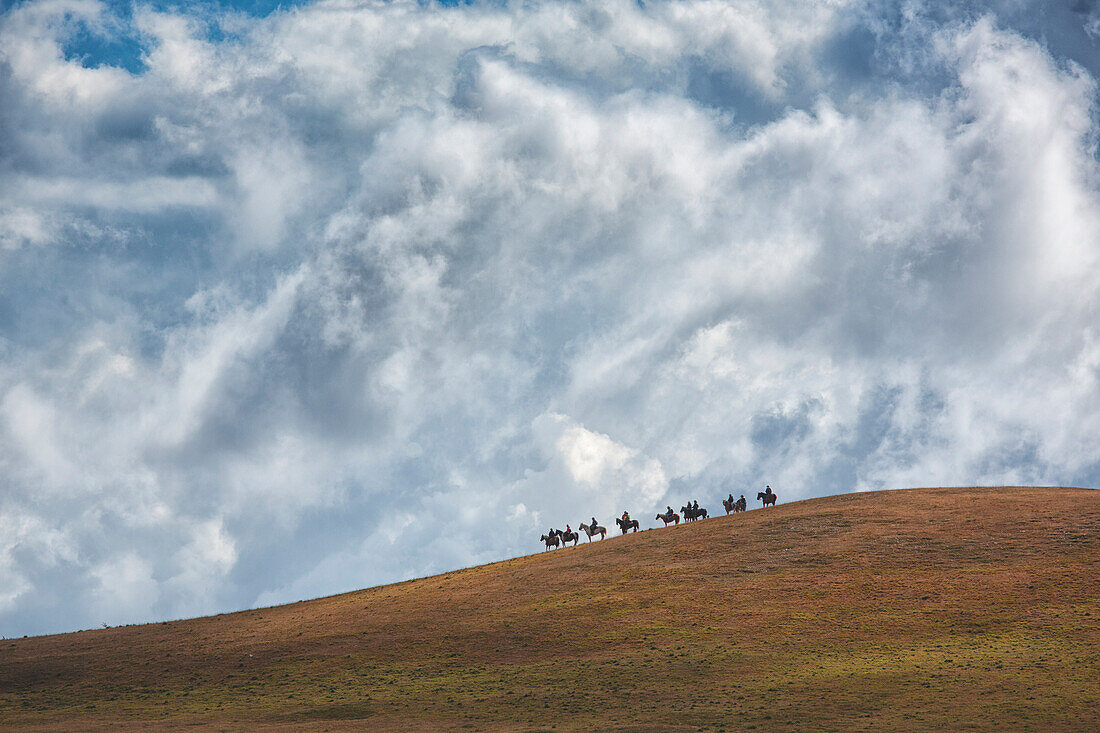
[[691, 514], [551, 540], [627, 526], [595, 529], [568, 537], [669, 518], [766, 498], [737, 505]]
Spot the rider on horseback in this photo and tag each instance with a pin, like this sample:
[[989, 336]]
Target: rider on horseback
[[626, 517], [768, 490], [594, 524], [568, 529]]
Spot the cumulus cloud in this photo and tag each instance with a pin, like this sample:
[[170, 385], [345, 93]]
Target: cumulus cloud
[[356, 292]]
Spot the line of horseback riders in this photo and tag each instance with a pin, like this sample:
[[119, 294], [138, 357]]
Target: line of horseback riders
[[691, 512]]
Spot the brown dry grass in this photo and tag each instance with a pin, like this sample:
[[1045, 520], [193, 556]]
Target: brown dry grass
[[934, 609]]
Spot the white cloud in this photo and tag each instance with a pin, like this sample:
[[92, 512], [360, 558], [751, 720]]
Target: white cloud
[[126, 589], [357, 292], [595, 463], [32, 425], [21, 226]]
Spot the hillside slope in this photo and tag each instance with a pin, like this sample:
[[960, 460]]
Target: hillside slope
[[916, 609]]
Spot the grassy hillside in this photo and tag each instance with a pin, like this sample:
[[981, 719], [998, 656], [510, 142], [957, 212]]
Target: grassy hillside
[[919, 609]]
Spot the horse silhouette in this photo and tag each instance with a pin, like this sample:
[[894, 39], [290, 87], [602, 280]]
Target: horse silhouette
[[737, 505], [568, 537], [766, 498], [669, 518], [594, 530], [691, 514], [551, 540], [625, 526]]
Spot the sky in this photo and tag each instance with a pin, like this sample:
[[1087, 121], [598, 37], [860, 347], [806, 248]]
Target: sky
[[298, 298]]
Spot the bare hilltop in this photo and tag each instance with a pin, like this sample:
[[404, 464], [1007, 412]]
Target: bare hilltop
[[921, 609]]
